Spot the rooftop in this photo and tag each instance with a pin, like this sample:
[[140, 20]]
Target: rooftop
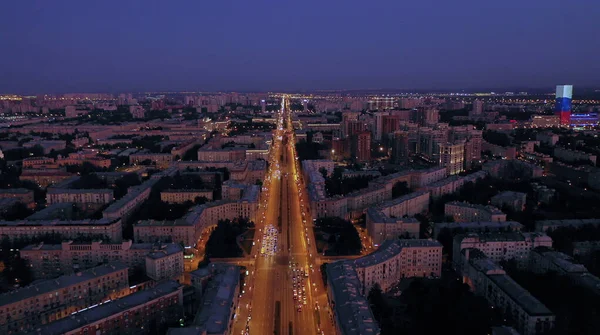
[[562, 261], [215, 309], [51, 285], [391, 248], [519, 295], [168, 250], [105, 310]]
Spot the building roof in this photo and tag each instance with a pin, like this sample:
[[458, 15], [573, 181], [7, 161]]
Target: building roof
[[483, 237], [132, 193], [490, 209], [102, 311], [351, 308], [562, 261], [59, 283], [478, 225], [15, 191], [519, 295], [215, 310], [168, 250], [90, 222], [391, 248]]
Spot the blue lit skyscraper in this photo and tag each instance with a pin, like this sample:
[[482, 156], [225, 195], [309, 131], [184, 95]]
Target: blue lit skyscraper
[[562, 106]]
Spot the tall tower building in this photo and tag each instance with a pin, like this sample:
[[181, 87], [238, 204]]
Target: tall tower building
[[427, 116], [562, 108], [361, 146], [452, 157], [390, 124], [477, 107], [400, 149]]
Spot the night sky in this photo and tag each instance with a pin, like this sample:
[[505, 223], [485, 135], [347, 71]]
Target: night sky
[[111, 46]]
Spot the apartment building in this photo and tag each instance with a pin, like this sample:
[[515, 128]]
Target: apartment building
[[110, 229], [544, 259], [166, 263], [43, 302], [24, 195], [452, 157], [161, 161], [410, 204], [136, 195], [569, 155], [477, 227], [352, 314], [188, 229], [466, 212], [511, 168], [487, 279], [500, 246], [544, 225], [208, 154], [181, 196], [39, 163], [52, 260], [453, 184], [381, 227], [219, 291], [514, 200], [88, 197], [397, 259], [547, 138], [137, 313], [44, 178]]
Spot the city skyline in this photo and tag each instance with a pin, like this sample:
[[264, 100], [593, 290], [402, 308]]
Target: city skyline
[[109, 47]]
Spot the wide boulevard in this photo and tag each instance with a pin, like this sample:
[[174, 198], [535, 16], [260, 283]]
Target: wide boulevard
[[287, 261]]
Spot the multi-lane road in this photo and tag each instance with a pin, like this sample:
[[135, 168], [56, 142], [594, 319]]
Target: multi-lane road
[[268, 304]]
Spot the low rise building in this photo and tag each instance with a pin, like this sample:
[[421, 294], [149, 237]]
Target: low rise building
[[181, 196], [487, 279], [135, 197], [39, 163], [545, 225], [466, 212], [569, 155], [453, 184], [397, 259], [219, 298], [137, 313], [166, 263], [83, 197], [24, 195], [477, 227], [547, 138], [51, 260], [102, 228], [161, 161], [47, 145], [514, 200], [188, 229], [544, 194], [26, 308], [381, 227], [500, 246], [505, 169], [352, 314]]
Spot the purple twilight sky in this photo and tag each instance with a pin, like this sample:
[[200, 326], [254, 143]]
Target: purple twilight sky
[[126, 45]]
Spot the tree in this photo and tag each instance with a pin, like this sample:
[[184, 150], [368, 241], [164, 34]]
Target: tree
[[377, 302], [399, 189], [323, 172], [200, 200]]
